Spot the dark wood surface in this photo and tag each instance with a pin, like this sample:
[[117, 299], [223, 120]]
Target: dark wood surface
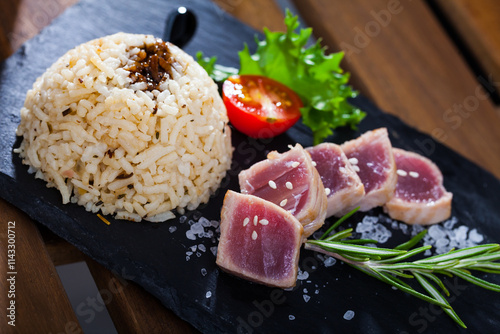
[[407, 64]]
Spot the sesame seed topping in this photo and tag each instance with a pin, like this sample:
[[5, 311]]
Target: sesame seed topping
[[283, 202], [401, 172], [414, 174], [327, 191], [290, 146], [246, 221], [295, 164], [254, 235], [255, 220], [289, 185], [355, 168], [272, 184], [353, 161], [314, 163], [264, 221]]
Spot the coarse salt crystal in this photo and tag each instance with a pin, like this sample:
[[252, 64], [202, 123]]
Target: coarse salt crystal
[[203, 272], [302, 275], [214, 250], [291, 317], [197, 228], [475, 237], [306, 298], [295, 164], [190, 235], [349, 315], [204, 222], [172, 229], [208, 294], [330, 261]]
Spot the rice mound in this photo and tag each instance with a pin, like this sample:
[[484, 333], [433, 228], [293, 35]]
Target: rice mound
[[129, 125]]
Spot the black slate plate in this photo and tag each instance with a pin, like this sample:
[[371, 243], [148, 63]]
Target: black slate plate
[[155, 257]]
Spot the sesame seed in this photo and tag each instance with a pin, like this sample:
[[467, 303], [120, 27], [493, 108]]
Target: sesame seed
[[413, 174], [295, 164], [246, 221], [289, 185], [314, 163], [290, 146], [353, 161], [272, 184], [327, 191], [283, 202], [264, 221], [254, 235], [401, 172], [355, 168], [255, 220]]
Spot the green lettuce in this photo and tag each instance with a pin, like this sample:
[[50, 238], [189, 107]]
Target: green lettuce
[[316, 77]]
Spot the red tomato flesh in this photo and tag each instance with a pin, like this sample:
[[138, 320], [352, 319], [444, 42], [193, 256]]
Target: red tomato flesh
[[260, 107]]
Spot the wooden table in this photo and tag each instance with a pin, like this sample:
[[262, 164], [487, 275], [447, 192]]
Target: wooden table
[[434, 64]]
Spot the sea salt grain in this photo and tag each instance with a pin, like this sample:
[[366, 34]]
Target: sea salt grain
[[172, 229], [214, 250], [291, 317], [474, 236], [349, 315], [330, 261], [208, 294], [203, 272], [302, 275], [204, 222], [197, 228], [306, 298], [190, 235]]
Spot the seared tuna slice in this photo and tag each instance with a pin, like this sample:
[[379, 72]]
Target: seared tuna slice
[[259, 241], [290, 181], [343, 187], [420, 197], [372, 158]]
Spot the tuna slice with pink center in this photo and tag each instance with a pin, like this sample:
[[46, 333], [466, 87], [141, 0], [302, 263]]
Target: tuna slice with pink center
[[290, 181], [343, 187], [259, 241], [372, 158], [420, 196]]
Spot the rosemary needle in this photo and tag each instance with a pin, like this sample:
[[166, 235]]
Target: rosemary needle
[[392, 266]]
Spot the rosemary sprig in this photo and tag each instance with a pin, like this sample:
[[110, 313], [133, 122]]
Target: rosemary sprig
[[391, 265]]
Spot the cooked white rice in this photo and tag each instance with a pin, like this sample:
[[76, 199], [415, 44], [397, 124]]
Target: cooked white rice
[[108, 143]]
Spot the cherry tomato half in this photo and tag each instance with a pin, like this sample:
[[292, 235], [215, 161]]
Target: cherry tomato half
[[260, 107]]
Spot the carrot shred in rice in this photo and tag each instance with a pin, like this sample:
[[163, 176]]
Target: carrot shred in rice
[[103, 219]]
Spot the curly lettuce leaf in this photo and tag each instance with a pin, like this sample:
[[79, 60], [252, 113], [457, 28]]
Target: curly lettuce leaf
[[317, 78]]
